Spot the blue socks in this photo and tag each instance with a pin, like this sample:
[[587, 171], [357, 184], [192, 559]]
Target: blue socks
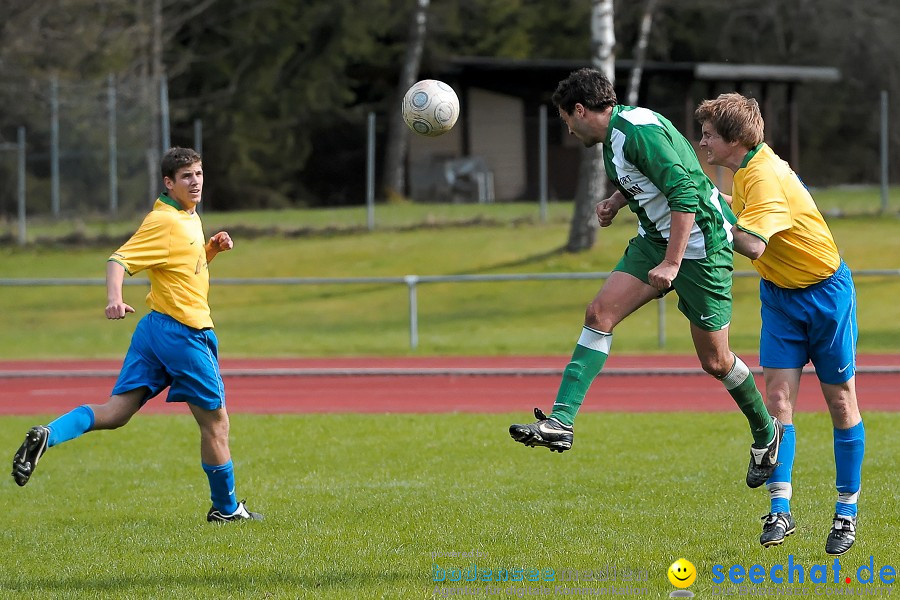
[[779, 484], [71, 425], [221, 486], [849, 447]]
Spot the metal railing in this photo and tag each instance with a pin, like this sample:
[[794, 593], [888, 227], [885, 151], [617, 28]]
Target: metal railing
[[412, 283]]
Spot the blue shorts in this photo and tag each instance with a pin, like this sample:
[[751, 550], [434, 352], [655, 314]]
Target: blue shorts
[[815, 323], [166, 353]]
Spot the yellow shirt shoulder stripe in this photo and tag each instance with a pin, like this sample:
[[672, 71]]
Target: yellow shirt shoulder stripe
[[772, 203], [171, 247]]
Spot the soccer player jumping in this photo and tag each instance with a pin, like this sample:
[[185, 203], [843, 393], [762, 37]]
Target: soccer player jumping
[[683, 244], [173, 346], [808, 305]]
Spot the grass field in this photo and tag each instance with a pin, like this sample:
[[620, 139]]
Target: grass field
[[356, 505], [354, 510]]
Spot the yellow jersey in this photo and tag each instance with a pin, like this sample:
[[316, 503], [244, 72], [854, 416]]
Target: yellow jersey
[[773, 204], [171, 246]]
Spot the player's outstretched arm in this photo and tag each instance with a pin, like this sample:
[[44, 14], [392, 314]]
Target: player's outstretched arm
[[115, 305], [218, 243]]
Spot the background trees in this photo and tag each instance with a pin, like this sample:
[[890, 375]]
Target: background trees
[[283, 87]]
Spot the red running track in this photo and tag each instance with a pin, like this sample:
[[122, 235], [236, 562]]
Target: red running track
[[385, 393]]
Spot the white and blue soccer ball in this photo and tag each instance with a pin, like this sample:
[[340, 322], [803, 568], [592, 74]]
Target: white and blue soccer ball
[[430, 107]]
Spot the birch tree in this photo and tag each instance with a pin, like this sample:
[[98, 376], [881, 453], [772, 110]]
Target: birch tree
[[591, 174], [398, 134]]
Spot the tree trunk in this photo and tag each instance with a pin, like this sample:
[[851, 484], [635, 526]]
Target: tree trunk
[[398, 134], [591, 174], [640, 53], [153, 88]]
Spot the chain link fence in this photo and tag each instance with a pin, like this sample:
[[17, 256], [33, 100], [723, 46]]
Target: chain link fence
[[89, 148]]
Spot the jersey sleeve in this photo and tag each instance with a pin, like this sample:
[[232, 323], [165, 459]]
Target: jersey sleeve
[[766, 210], [148, 247], [651, 150]]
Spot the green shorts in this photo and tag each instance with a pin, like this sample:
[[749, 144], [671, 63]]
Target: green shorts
[[703, 285]]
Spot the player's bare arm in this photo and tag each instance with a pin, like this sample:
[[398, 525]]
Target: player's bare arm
[[609, 207], [748, 244], [218, 243], [115, 305], [662, 276]]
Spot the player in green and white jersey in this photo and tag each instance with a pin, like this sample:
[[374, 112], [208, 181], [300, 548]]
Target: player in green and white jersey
[[684, 243]]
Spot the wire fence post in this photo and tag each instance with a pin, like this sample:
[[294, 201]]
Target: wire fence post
[[54, 146], [198, 146], [411, 281], [164, 114], [661, 322], [542, 161], [370, 173], [20, 139], [884, 151], [113, 145]]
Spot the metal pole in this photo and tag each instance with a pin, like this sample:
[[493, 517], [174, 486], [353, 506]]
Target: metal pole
[[198, 146], [20, 138], [113, 145], [661, 322], [370, 173], [164, 113], [411, 281], [198, 136], [542, 160], [884, 151], [54, 145]]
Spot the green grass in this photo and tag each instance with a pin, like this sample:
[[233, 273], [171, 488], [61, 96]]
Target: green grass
[[355, 511], [454, 318]]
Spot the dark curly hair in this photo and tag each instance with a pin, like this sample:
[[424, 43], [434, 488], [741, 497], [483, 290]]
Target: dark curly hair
[[588, 87], [177, 158]]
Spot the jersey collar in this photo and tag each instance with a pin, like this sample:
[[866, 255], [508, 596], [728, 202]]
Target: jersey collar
[[751, 154], [166, 199]]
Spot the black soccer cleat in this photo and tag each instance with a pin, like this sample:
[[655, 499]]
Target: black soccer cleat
[[546, 432], [29, 453], [842, 535], [241, 514], [764, 460], [776, 527]]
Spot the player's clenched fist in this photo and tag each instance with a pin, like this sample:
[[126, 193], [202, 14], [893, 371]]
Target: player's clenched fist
[[221, 241]]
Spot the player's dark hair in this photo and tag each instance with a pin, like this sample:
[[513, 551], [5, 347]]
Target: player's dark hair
[[588, 87], [735, 117], [177, 158]]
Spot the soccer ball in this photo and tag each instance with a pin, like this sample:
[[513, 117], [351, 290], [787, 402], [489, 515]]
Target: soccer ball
[[430, 107]]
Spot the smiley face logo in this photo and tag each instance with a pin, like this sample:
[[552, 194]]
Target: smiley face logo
[[682, 573]]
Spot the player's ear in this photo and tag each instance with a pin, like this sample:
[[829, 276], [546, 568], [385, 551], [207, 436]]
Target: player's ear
[[168, 183]]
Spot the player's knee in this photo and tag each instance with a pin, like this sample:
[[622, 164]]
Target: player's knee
[[778, 403], [595, 318], [717, 366], [217, 431]]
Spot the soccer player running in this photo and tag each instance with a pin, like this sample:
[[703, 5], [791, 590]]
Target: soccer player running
[[173, 346], [683, 243], [808, 305]]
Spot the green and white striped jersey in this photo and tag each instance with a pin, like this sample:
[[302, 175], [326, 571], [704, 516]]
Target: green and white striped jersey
[[657, 170]]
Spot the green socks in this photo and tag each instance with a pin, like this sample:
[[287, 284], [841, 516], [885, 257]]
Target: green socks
[[739, 383], [587, 362]]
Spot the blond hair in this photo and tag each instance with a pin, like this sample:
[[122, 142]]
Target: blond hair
[[734, 117]]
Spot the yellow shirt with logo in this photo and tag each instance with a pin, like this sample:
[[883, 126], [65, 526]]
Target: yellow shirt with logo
[[773, 204], [170, 245]]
